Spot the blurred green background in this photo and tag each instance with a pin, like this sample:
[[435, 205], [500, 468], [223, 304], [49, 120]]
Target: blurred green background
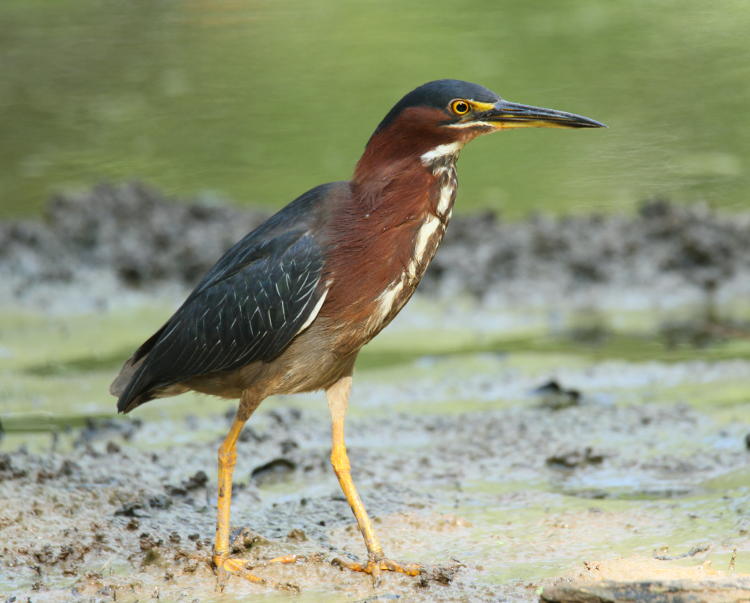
[[256, 101]]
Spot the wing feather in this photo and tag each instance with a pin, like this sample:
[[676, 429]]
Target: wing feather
[[248, 311]]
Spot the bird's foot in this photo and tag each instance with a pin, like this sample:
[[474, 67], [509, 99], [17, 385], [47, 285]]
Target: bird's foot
[[233, 565], [376, 565]]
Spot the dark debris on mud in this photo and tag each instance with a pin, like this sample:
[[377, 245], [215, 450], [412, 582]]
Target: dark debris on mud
[[692, 243], [142, 238], [113, 515], [133, 230], [148, 517]]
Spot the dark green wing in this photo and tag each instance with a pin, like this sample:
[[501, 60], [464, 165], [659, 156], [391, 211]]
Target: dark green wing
[[247, 308]]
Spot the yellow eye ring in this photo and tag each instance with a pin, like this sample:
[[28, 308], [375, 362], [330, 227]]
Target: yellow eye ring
[[460, 106]]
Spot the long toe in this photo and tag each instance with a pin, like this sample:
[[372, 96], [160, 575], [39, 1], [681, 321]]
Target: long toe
[[375, 566], [241, 567], [410, 569], [233, 565]]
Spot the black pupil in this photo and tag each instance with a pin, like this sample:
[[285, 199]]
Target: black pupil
[[461, 108]]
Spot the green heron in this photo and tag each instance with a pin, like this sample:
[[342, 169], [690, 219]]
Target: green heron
[[288, 308]]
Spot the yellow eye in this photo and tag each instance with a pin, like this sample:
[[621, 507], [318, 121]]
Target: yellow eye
[[460, 107]]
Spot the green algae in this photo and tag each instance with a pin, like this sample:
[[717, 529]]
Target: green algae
[[70, 373]]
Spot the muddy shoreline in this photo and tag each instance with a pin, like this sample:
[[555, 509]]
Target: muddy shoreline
[[527, 457], [130, 238], [107, 518]]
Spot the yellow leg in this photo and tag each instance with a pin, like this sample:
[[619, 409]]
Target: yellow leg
[[338, 402], [227, 461]]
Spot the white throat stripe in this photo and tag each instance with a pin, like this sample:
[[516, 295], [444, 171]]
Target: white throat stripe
[[440, 151]]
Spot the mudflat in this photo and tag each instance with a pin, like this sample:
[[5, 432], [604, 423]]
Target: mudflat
[[562, 413]]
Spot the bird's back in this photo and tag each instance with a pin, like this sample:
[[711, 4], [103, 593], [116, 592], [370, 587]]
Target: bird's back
[[247, 308]]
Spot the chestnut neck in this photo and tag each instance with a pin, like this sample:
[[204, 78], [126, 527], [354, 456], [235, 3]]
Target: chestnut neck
[[393, 157]]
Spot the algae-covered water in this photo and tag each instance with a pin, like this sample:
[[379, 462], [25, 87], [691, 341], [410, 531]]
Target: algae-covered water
[[257, 101], [456, 451]]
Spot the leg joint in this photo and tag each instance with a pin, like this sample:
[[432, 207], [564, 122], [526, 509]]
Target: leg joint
[[227, 457], [340, 460]]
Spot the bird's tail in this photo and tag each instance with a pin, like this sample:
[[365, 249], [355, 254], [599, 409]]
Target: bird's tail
[[125, 386], [133, 386]]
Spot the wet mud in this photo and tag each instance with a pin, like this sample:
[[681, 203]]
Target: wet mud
[[649, 581], [570, 433], [115, 514]]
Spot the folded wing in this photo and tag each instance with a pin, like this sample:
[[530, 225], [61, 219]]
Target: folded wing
[[247, 308]]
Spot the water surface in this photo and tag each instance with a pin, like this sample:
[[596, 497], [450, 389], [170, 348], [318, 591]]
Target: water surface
[[257, 101]]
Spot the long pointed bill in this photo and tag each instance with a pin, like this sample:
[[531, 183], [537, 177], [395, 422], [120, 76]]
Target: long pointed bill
[[505, 114]]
